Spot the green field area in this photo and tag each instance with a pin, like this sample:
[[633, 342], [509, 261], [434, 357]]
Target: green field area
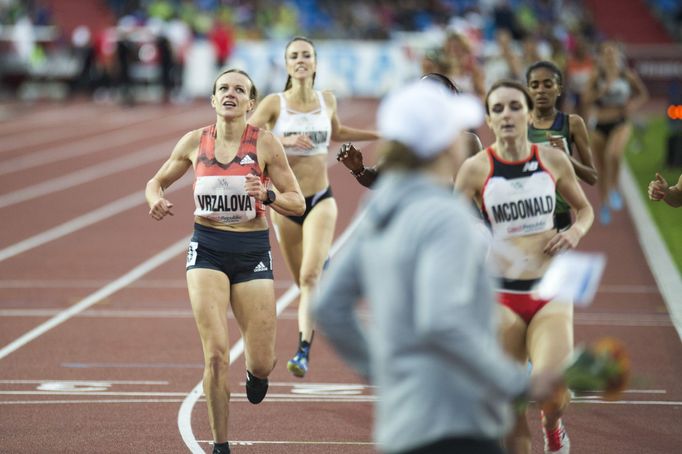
[[646, 155]]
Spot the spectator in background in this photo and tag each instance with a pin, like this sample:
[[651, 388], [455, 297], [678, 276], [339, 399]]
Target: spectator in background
[[659, 190], [222, 37], [124, 59], [579, 69], [84, 51], [167, 66]]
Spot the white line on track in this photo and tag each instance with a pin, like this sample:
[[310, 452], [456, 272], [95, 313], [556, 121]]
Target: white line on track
[[102, 142], [587, 319], [97, 283], [93, 393], [108, 129], [238, 399], [140, 270], [294, 442], [90, 401], [111, 382], [185, 412], [80, 222], [154, 153], [661, 264]]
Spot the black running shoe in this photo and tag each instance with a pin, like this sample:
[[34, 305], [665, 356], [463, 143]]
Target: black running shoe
[[256, 388], [221, 448]]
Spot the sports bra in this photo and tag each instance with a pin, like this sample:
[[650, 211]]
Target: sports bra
[[316, 124], [518, 196], [219, 192], [617, 94]]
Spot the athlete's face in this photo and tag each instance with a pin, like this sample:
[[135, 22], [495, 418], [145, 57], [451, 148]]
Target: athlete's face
[[508, 113], [300, 60], [544, 87], [232, 95], [611, 55]]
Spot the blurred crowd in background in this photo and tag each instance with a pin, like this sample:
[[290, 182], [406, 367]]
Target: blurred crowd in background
[[148, 43]]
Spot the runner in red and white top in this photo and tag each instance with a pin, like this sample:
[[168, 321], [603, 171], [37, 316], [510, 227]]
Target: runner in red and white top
[[514, 181], [228, 259]]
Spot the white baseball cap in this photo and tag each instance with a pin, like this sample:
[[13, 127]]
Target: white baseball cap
[[426, 117]]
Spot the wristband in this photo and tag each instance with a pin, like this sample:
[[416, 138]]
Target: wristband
[[358, 173]]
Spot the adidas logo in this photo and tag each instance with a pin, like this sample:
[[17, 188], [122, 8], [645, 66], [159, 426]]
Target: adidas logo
[[260, 267], [246, 160]]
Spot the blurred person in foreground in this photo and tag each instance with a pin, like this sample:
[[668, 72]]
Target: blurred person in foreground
[[659, 190], [444, 384], [352, 158], [514, 182], [229, 262]]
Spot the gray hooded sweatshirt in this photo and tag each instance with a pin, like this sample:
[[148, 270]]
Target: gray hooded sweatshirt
[[431, 346]]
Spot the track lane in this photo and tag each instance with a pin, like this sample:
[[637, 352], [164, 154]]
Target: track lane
[[163, 348]]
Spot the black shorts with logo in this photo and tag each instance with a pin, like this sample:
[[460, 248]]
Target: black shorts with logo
[[242, 256]]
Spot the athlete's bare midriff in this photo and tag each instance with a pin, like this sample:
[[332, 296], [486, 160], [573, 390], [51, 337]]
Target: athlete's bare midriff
[[522, 257], [311, 173]]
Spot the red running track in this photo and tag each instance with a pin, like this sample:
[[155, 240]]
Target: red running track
[[99, 348]]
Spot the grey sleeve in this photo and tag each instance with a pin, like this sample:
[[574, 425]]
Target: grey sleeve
[[450, 284], [334, 308]]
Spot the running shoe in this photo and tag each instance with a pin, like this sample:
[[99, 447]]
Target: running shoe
[[256, 388], [556, 441], [221, 448], [615, 200], [604, 215], [298, 365]]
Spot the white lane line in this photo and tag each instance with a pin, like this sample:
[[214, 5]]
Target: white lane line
[[80, 222], [627, 402], [97, 283], [657, 255], [113, 313], [185, 412], [633, 320], [133, 365], [140, 270], [75, 382], [93, 393], [295, 442], [90, 401], [44, 120], [105, 129], [102, 142], [176, 400], [131, 161]]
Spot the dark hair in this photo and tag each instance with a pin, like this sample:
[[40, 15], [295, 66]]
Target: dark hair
[[253, 94], [509, 84], [441, 79], [546, 65], [287, 85]]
